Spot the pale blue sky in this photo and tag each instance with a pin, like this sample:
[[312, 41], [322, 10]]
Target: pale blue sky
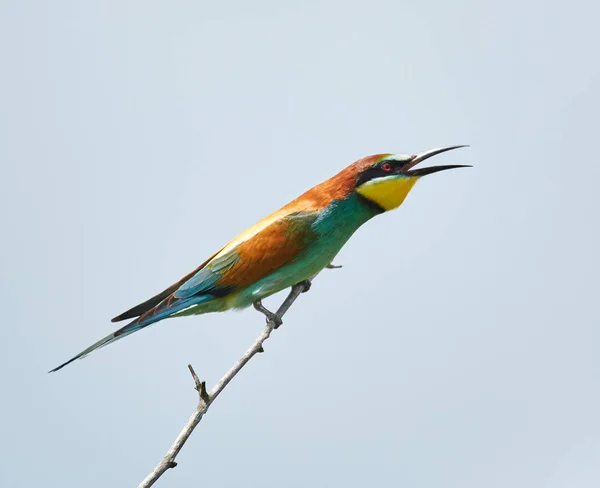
[[458, 345]]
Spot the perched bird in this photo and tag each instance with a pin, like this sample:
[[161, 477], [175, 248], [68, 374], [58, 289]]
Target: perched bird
[[289, 246]]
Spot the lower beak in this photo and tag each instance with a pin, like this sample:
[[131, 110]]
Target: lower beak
[[414, 160]]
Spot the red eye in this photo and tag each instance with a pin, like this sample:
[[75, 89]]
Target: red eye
[[386, 166]]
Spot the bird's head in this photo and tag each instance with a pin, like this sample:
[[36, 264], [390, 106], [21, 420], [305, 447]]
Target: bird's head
[[386, 179]]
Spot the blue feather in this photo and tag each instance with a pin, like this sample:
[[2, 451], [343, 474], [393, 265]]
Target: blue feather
[[204, 281]]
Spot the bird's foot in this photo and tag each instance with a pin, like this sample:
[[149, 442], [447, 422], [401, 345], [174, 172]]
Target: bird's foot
[[306, 284], [271, 317], [332, 266], [274, 319]]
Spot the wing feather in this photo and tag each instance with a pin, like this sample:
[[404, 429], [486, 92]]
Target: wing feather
[[156, 299], [233, 267]]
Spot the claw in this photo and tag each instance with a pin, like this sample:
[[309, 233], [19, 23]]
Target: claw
[[332, 266], [306, 284], [271, 317]]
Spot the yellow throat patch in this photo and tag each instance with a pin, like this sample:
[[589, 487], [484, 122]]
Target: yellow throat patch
[[387, 192]]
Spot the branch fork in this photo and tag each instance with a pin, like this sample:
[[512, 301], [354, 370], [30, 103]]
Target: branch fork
[[274, 320]]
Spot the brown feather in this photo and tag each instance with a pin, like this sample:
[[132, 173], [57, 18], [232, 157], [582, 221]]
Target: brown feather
[[272, 242], [337, 187], [268, 250]]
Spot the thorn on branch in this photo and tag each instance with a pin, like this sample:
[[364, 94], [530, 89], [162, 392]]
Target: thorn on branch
[[260, 349], [171, 464], [203, 393], [195, 376], [200, 385]]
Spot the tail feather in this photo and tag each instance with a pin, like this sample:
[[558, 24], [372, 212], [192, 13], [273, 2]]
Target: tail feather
[[162, 311], [105, 341], [149, 304]]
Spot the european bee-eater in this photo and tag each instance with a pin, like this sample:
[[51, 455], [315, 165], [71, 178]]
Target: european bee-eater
[[287, 247]]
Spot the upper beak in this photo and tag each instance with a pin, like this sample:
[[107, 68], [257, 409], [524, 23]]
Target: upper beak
[[414, 160]]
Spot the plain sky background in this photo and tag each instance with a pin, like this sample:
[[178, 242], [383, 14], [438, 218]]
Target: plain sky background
[[457, 347]]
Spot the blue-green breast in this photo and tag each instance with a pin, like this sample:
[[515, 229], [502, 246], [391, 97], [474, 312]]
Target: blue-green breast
[[333, 225]]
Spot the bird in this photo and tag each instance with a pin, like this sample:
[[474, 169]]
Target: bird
[[288, 247]]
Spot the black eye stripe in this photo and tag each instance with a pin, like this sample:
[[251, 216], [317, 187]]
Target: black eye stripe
[[383, 168]]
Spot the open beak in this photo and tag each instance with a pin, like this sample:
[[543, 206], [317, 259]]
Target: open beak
[[414, 160]]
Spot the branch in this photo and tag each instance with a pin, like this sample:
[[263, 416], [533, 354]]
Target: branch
[[206, 399]]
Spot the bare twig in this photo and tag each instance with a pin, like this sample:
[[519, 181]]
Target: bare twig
[[206, 399]]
